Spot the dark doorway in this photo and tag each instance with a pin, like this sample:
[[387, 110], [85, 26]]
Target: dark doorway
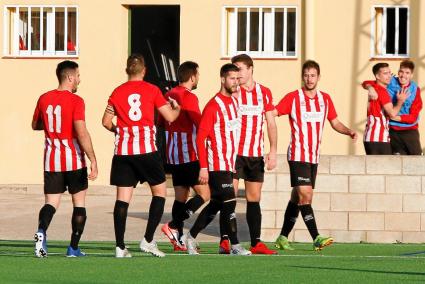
[[155, 33]]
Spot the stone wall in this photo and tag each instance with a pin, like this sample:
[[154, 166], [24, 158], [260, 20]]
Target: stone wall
[[379, 199]]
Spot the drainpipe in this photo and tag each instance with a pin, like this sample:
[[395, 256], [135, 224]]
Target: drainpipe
[[309, 29]]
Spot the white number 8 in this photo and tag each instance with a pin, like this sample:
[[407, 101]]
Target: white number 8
[[135, 113]]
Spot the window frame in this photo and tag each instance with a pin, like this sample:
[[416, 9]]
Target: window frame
[[11, 32], [230, 26], [382, 41]]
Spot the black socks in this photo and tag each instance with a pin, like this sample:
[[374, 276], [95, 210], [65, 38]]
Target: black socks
[[205, 217], [291, 215], [229, 220], [156, 210], [310, 222], [78, 222], [253, 218], [45, 217], [120, 219]]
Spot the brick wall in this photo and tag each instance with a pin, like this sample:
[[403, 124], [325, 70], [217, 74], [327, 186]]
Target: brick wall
[[378, 199]]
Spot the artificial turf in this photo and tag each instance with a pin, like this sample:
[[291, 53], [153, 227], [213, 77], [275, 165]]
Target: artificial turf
[[339, 263]]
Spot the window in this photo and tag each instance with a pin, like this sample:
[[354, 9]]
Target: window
[[261, 32], [390, 31], [41, 31]]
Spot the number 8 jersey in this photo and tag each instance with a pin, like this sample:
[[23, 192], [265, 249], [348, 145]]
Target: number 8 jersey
[[134, 103], [58, 110]]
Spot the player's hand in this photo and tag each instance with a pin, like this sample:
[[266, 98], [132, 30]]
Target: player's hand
[[372, 94], [173, 103], [403, 95], [93, 171], [203, 176], [271, 161], [353, 135]]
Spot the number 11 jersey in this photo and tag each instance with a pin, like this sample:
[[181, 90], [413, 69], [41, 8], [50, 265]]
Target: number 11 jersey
[[58, 110], [134, 103]]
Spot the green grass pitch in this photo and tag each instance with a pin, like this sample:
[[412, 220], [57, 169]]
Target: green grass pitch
[[340, 263]]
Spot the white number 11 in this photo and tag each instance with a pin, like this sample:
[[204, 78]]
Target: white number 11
[[50, 117]]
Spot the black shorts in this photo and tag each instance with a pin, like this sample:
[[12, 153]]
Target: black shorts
[[405, 142], [186, 174], [249, 168], [377, 148], [302, 173], [129, 170], [221, 185], [59, 182]]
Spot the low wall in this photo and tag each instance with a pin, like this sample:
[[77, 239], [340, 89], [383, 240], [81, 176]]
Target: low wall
[[379, 199]]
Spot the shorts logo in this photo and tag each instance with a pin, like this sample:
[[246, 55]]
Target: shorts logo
[[226, 185], [303, 179]]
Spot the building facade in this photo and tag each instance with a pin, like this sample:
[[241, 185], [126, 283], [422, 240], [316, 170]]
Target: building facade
[[346, 37]]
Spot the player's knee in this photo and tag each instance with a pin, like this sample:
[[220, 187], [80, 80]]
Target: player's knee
[[253, 196], [305, 200], [205, 194]]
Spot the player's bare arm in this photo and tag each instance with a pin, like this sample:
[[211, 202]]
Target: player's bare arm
[[37, 125], [339, 127], [372, 94], [84, 139], [107, 119], [201, 138], [272, 134], [203, 176], [170, 111], [393, 111]]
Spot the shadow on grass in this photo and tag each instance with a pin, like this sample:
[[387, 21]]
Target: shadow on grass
[[359, 270], [213, 229], [24, 247]]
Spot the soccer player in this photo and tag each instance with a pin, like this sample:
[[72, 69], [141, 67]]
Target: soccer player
[[376, 137], [255, 104], [404, 134], [217, 142], [308, 108], [181, 153], [60, 113], [136, 157]]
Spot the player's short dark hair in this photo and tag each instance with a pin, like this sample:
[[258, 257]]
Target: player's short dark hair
[[226, 68], [244, 58], [135, 64], [310, 64], [378, 66], [63, 68], [407, 64], [186, 70]]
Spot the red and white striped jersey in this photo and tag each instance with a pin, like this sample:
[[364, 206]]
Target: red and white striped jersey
[[252, 106], [377, 124], [219, 127], [307, 118], [134, 103], [58, 110], [181, 133]]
